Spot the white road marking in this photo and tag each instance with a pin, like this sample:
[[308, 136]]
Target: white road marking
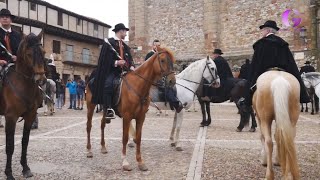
[[195, 167]]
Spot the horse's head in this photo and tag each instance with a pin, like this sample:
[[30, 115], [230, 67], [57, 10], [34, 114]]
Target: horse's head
[[210, 73], [31, 57], [163, 65]]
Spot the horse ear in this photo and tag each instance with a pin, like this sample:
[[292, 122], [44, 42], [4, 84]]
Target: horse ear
[[40, 35]]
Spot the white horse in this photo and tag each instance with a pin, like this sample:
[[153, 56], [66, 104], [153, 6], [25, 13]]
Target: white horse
[[50, 89], [187, 83], [312, 79]]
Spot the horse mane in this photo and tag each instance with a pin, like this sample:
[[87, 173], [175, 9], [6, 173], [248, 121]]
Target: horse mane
[[312, 75], [193, 67], [169, 51], [30, 41]]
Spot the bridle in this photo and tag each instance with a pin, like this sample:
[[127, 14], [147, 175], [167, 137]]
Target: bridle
[[214, 76], [164, 75]]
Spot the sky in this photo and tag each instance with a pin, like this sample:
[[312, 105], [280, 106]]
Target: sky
[[110, 12]]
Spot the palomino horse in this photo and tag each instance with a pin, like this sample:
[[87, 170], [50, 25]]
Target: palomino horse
[[50, 89], [21, 97], [277, 98], [311, 80], [134, 101], [187, 83]]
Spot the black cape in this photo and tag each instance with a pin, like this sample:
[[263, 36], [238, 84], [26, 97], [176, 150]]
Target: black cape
[[244, 71], [306, 69], [106, 66], [15, 39], [273, 51], [149, 55], [52, 73], [223, 68]]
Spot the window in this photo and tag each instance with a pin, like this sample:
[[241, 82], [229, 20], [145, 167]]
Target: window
[[95, 27], [60, 19], [86, 56], [56, 47], [79, 22], [69, 53], [33, 6]]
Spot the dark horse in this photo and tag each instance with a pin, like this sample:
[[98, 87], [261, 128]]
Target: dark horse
[[234, 93], [21, 97]]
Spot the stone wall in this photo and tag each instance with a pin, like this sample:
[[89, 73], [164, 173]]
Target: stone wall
[[193, 28]]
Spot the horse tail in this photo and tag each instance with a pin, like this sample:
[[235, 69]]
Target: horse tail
[[285, 131]]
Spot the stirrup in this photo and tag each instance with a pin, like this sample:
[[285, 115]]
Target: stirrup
[[110, 111]]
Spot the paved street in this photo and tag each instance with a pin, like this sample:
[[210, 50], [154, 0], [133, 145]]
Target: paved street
[[57, 150]]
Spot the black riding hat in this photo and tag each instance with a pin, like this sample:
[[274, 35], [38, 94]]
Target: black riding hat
[[6, 12], [217, 51], [271, 24], [119, 27]]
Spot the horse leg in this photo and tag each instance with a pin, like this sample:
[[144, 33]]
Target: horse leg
[[139, 124], [301, 107], [268, 146], [179, 123], [203, 111], [312, 105], [10, 128], [103, 143], [307, 110], [90, 108], [209, 113], [132, 133], [125, 137], [173, 129], [25, 141], [254, 122], [45, 109]]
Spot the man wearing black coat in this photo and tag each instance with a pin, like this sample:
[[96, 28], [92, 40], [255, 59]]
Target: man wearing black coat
[[244, 70], [307, 68], [110, 66], [8, 37], [156, 43], [225, 74], [272, 52]]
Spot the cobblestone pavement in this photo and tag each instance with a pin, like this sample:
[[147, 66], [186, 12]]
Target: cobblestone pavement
[[57, 150]]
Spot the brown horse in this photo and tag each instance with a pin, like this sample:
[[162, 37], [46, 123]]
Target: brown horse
[[21, 97], [277, 98], [134, 101]]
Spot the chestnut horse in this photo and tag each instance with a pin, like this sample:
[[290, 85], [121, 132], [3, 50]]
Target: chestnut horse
[[134, 101], [277, 98], [21, 97]]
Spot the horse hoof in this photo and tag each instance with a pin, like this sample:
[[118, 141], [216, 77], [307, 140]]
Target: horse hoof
[[173, 144], [276, 163], [27, 174], [252, 130], [89, 155], [143, 167], [312, 113], [179, 149], [239, 130], [135, 141], [131, 144], [45, 114], [104, 151], [127, 167], [10, 178]]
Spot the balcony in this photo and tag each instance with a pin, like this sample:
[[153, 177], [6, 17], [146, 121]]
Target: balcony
[[79, 59]]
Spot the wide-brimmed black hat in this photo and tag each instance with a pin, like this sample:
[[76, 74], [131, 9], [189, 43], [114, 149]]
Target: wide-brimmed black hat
[[6, 12], [217, 51], [271, 24], [119, 27], [307, 62]]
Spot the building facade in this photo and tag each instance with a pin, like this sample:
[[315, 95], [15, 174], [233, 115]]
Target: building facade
[[193, 28], [73, 39]]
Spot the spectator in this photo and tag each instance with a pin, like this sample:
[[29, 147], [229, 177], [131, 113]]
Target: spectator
[[80, 93], [60, 93], [72, 85]]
